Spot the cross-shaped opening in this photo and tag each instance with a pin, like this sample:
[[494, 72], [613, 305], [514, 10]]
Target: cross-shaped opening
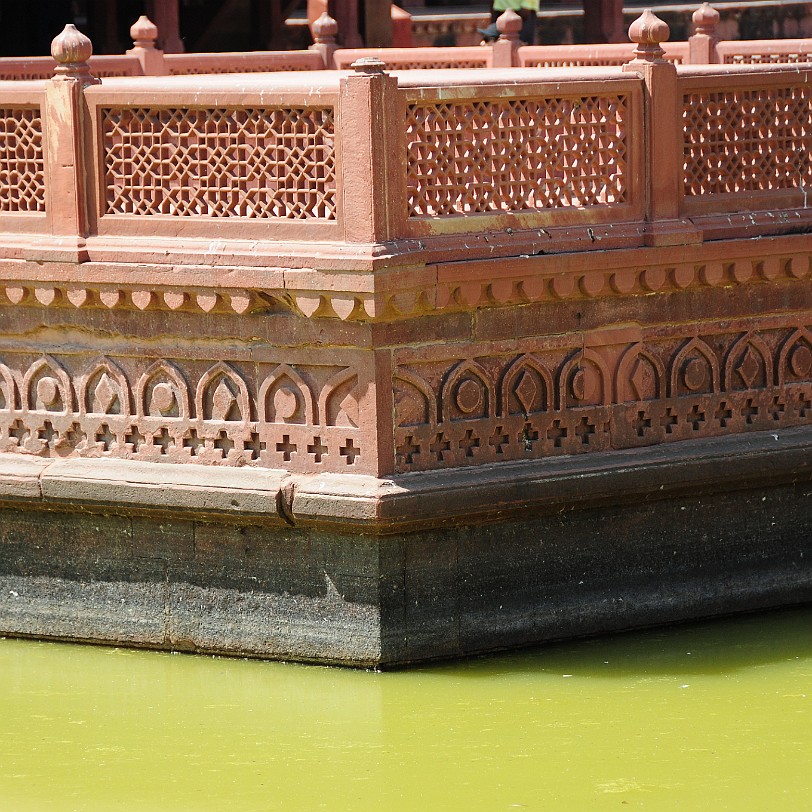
[[105, 436], [440, 446], [584, 430], [134, 438], [317, 449], [499, 439], [668, 420], [557, 433], [409, 450], [641, 423], [163, 439], [723, 414], [750, 411], [469, 443], [192, 442], [696, 417], [47, 433], [254, 445], [224, 443], [286, 448], [350, 451]]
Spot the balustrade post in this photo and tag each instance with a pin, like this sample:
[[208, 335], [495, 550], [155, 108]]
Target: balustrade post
[[702, 43], [506, 48], [371, 160], [325, 33], [662, 131], [145, 36], [66, 122]]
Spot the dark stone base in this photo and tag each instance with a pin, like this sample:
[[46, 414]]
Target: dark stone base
[[384, 600]]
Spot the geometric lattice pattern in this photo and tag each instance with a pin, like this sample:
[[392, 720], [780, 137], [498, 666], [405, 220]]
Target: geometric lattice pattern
[[250, 163], [768, 58], [22, 167], [516, 154], [432, 64], [240, 67], [748, 140]]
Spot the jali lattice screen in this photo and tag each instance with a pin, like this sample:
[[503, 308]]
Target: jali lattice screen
[[272, 163], [748, 140], [516, 154], [22, 164]]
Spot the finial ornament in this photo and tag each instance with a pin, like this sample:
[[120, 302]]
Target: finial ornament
[[648, 31], [509, 25], [144, 33], [705, 19], [368, 64], [71, 49], [325, 30]]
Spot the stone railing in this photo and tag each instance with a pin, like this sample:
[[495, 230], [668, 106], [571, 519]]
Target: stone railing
[[333, 196], [357, 367], [145, 59]]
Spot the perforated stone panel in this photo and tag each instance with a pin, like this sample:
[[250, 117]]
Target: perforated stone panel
[[748, 140], [541, 400], [516, 155], [768, 58], [276, 163], [22, 167]]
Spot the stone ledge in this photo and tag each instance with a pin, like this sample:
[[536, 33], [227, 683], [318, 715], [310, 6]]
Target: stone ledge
[[413, 501]]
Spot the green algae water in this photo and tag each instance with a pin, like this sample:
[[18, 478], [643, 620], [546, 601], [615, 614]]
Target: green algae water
[[711, 716]]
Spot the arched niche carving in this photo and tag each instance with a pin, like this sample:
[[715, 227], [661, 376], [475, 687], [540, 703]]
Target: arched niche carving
[[527, 387], [104, 389], [285, 397], [222, 395], [795, 358], [584, 380], [46, 387], [640, 375], [694, 370], [162, 392], [467, 393], [415, 403], [749, 364], [339, 400], [8, 390]]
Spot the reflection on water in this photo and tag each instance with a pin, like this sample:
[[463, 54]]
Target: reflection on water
[[703, 717]]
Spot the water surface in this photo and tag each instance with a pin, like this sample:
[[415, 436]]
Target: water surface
[[711, 716]]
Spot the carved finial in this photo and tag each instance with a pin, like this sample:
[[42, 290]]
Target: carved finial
[[368, 64], [325, 30], [648, 31], [705, 19], [509, 25], [144, 33], [71, 49]]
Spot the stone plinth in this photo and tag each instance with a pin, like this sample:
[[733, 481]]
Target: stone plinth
[[370, 369]]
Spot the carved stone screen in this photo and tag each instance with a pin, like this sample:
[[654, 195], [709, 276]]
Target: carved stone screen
[[274, 163], [516, 155], [747, 140], [22, 169]]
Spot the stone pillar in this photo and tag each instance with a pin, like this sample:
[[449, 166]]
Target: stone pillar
[[371, 154], [662, 134], [66, 122], [702, 44], [509, 24], [167, 18], [145, 35]]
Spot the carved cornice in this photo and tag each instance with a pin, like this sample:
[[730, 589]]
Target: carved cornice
[[407, 291]]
